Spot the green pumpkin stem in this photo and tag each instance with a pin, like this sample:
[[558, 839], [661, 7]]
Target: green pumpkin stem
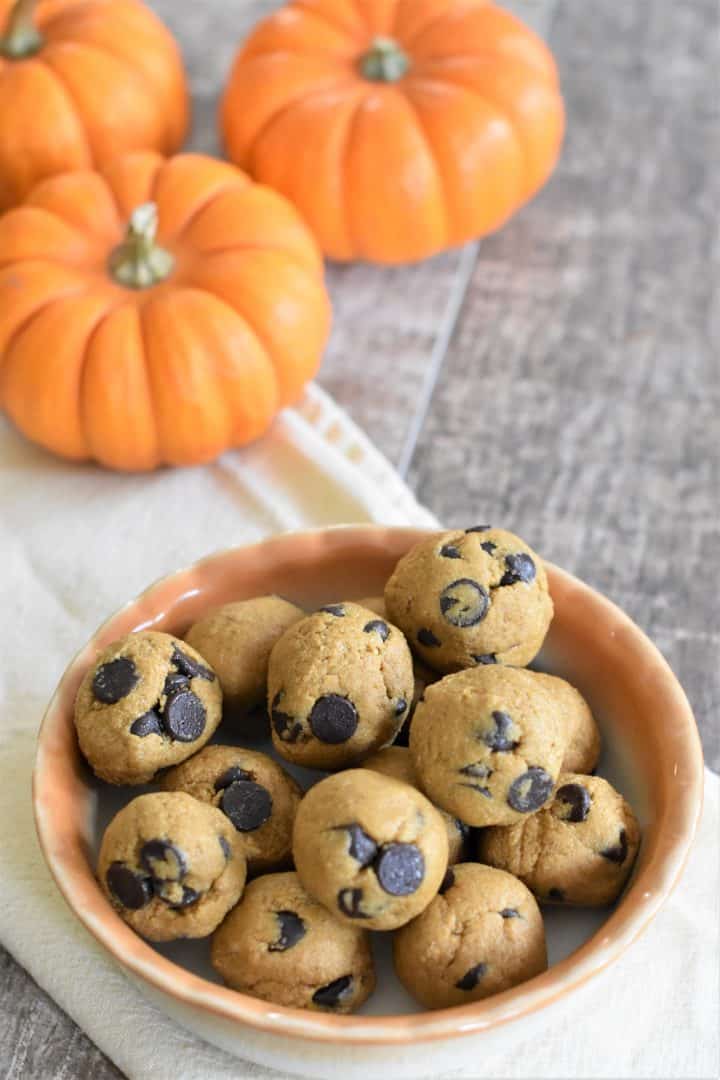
[[21, 37], [384, 61], [139, 263]]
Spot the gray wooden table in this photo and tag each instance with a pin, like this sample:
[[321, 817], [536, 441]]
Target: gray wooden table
[[558, 378]]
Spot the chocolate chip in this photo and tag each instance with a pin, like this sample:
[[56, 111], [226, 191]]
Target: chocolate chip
[[556, 894], [230, 776], [478, 528], [617, 853], [349, 900], [189, 667], [292, 930], [400, 869], [488, 546], [334, 609], [247, 804], [377, 626], [519, 567], [147, 724], [447, 882], [510, 913], [334, 993], [481, 771], [427, 638], [400, 706], [499, 739], [132, 890], [175, 681], [361, 847], [114, 681], [286, 728], [176, 896], [464, 603], [333, 719], [472, 977], [163, 861], [576, 802], [462, 828], [226, 847], [484, 658], [449, 551], [530, 790], [184, 716]]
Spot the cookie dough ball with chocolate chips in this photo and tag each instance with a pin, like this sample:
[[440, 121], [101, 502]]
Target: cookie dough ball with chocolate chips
[[149, 701], [254, 793], [395, 761], [171, 866], [487, 745], [371, 849], [339, 686], [481, 935], [582, 735], [471, 598], [237, 640], [579, 850], [281, 945]]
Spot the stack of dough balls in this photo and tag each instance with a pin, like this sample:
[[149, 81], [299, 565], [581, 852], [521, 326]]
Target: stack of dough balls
[[459, 790]]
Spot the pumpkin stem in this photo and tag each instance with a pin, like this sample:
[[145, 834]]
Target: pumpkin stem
[[22, 37], [138, 262], [384, 61]]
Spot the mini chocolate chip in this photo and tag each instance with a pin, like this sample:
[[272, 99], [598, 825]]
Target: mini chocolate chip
[[226, 848], [556, 894], [334, 609], [488, 546], [349, 900], [464, 603], [499, 740], [478, 528], [447, 882], [530, 790], [175, 681], [400, 869], [618, 852], [576, 800], [378, 626], [147, 724], [400, 706], [479, 787], [132, 890], [247, 804], [184, 716], [480, 771], [333, 719], [519, 567], [427, 638], [484, 658], [361, 847], [472, 977], [163, 861], [292, 930], [330, 996], [230, 776], [287, 728], [449, 551], [462, 828], [176, 896], [510, 913], [192, 668], [114, 681]]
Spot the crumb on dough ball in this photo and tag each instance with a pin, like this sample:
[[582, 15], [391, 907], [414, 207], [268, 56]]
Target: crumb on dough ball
[[481, 935], [340, 684], [583, 743], [281, 945], [579, 850], [469, 598], [237, 640], [372, 849], [171, 866], [149, 701]]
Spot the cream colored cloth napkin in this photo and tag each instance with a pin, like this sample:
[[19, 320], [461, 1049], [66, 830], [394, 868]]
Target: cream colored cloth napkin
[[76, 543]]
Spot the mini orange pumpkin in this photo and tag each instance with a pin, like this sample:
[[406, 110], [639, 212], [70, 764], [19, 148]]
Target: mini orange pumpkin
[[398, 127], [82, 81], [136, 351]]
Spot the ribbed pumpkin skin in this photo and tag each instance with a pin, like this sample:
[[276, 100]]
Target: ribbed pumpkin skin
[[396, 171], [108, 79], [170, 374]]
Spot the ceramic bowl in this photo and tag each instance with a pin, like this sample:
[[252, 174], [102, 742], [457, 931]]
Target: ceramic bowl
[[652, 755]]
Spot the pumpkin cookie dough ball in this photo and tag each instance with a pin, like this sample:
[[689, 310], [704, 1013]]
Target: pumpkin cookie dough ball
[[237, 640], [370, 848], [471, 598], [339, 686], [580, 850], [395, 761], [253, 791], [482, 934], [582, 749], [148, 702], [281, 945], [487, 745], [171, 866]]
